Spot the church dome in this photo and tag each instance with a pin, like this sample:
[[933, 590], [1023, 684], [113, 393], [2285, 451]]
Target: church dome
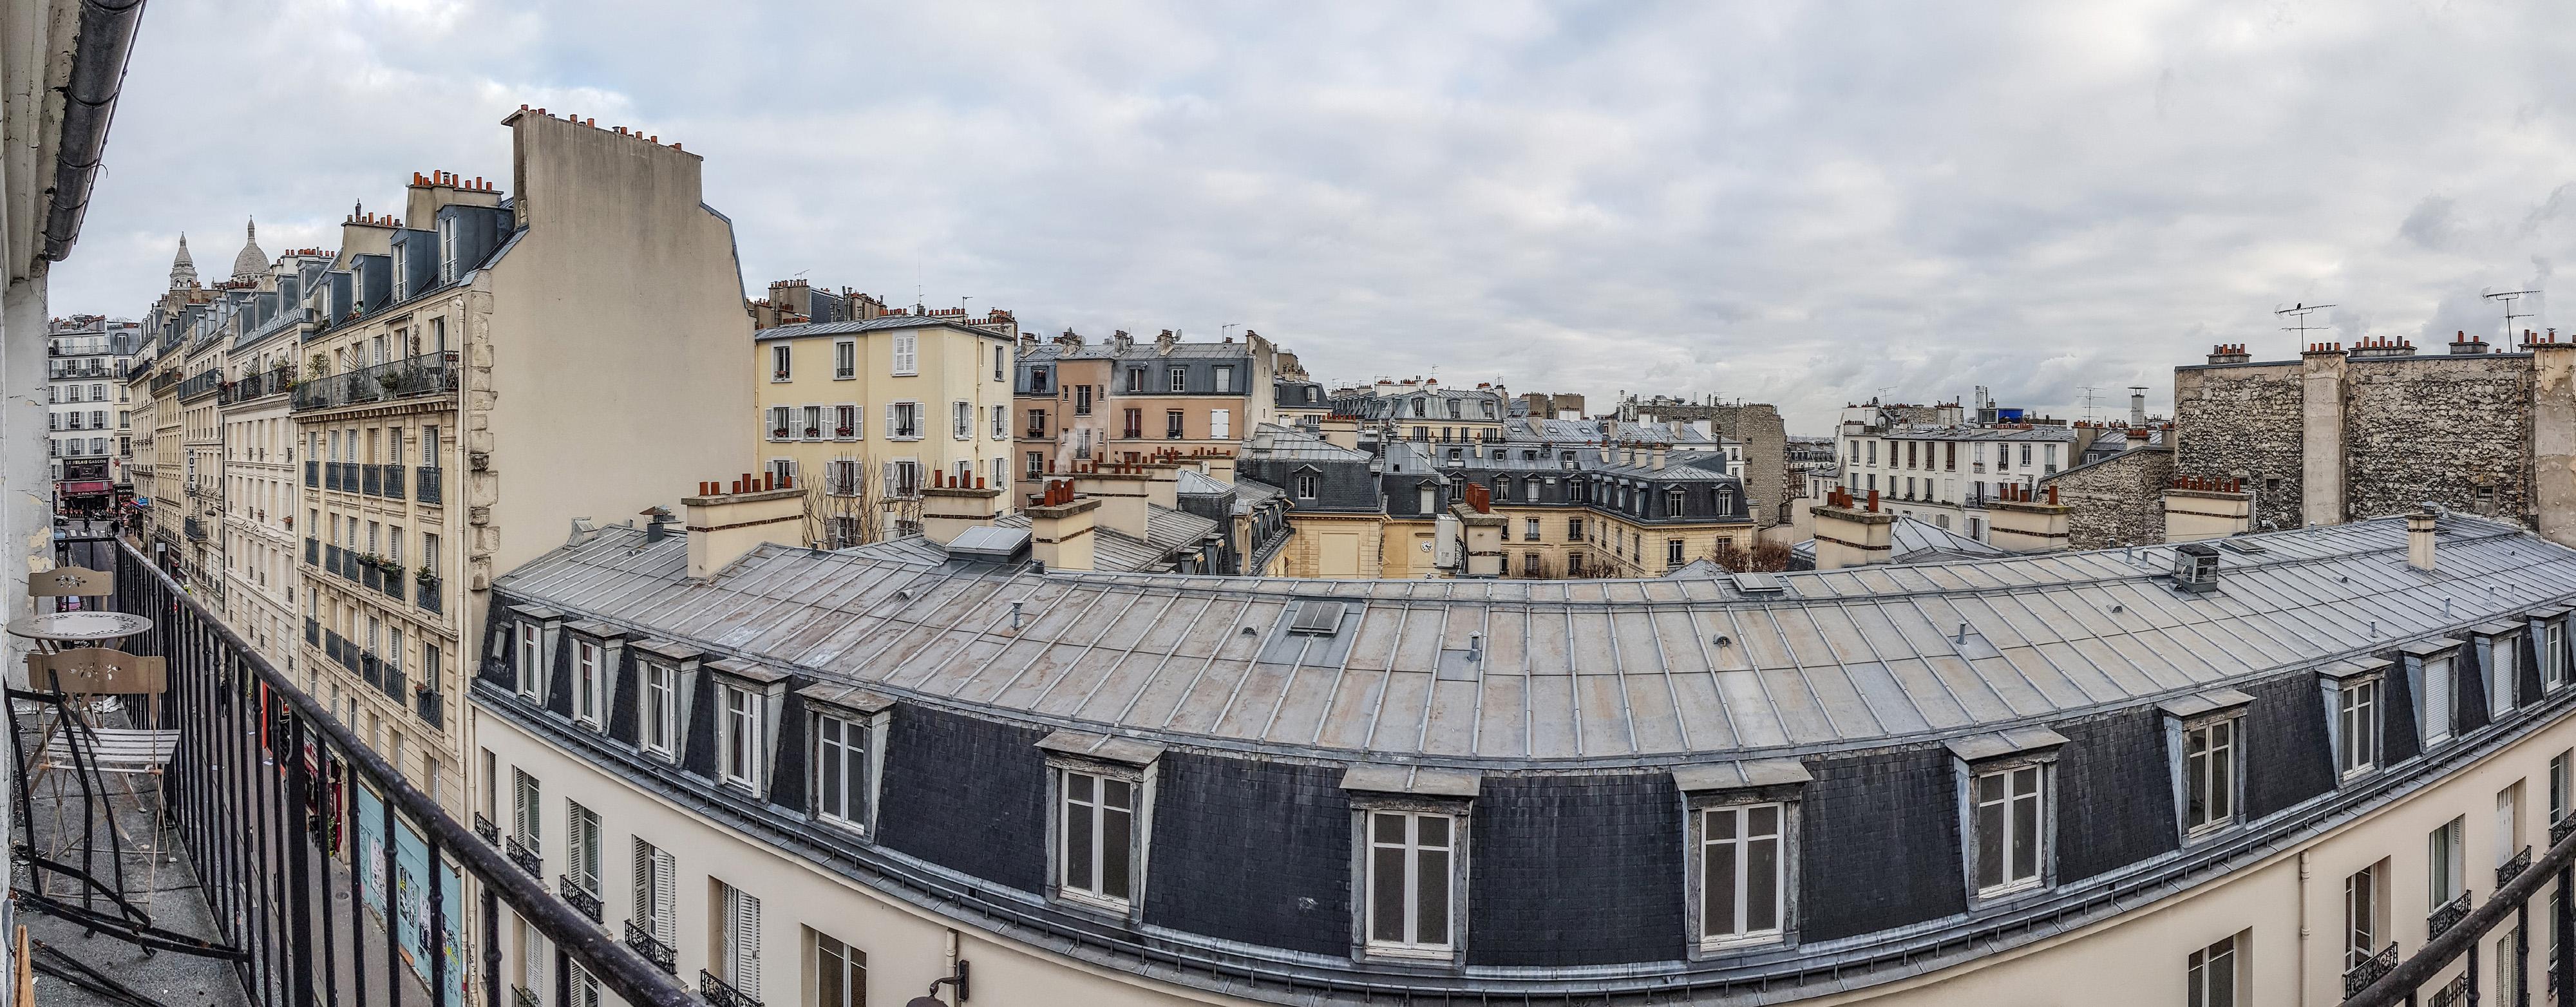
[[251, 262], [183, 270]]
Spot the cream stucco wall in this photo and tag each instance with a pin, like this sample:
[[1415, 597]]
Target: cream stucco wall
[[954, 364]]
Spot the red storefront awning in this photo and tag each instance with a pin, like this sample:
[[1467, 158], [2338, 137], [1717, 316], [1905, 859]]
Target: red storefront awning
[[83, 489]]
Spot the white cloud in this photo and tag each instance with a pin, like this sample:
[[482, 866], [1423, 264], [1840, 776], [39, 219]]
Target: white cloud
[[1801, 203]]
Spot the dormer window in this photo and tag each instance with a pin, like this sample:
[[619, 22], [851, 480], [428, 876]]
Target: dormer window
[[531, 659], [447, 249], [739, 735], [1412, 869], [588, 684], [2007, 780]]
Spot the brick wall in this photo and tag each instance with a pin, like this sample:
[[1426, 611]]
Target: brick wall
[[2117, 501], [967, 794], [1576, 870]]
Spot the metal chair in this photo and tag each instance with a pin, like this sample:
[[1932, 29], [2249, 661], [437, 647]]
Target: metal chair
[[73, 742], [68, 582]]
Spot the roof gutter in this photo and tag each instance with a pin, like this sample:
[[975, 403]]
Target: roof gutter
[[104, 43]]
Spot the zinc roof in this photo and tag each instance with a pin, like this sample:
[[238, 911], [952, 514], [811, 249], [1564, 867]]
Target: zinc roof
[[1639, 672]]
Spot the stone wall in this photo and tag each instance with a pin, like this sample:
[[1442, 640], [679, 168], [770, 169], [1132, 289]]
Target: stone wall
[[2452, 430], [2116, 501], [2241, 421]]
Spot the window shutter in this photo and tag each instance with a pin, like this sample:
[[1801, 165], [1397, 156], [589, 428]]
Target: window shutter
[[746, 944], [585, 990], [643, 907], [889, 422], [665, 896], [889, 478]]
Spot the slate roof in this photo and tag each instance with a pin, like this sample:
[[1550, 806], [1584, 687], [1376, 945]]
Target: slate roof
[[1295, 442], [1913, 540], [1166, 530], [1141, 349], [1643, 672]]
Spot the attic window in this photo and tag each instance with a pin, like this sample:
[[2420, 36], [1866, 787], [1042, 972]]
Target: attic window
[[2241, 545], [1760, 583], [1316, 617]]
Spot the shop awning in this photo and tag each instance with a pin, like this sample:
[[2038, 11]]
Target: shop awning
[[84, 489]]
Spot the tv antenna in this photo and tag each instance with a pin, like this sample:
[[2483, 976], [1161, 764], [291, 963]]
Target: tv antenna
[[2508, 297], [2301, 312], [2088, 403]]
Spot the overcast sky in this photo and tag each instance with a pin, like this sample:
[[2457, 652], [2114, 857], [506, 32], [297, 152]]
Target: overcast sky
[[1795, 203]]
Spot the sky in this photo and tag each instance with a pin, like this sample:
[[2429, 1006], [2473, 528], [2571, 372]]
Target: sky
[[1807, 204]]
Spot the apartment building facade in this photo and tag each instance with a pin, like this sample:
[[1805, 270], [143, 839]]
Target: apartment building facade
[[1950, 474], [860, 412], [89, 412], [457, 409], [1124, 400], [2274, 810]]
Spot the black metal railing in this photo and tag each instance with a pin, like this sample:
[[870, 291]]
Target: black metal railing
[[257, 386], [393, 482], [371, 480], [641, 939], [719, 993], [2513, 868], [2446, 917], [394, 685], [427, 484], [484, 828], [394, 583], [195, 529], [579, 898], [314, 853], [431, 707], [521, 854], [2370, 969], [429, 598], [371, 669], [312, 630], [312, 473], [426, 374], [330, 475], [520, 997], [2559, 829], [312, 550]]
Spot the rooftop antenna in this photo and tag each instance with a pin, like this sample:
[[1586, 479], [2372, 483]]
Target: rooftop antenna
[[2301, 312], [1221, 330], [2508, 297], [2088, 403]]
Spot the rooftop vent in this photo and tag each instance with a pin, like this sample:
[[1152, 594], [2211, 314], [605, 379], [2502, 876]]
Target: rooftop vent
[[1316, 617], [2196, 568], [2246, 546]]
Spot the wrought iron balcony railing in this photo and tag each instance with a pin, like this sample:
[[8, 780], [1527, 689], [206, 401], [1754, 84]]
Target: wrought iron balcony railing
[[527, 859], [276, 797], [719, 993], [487, 831], [428, 484], [2511, 869], [2449, 915], [663, 956], [431, 707], [2370, 969], [427, 374], [579, 898]]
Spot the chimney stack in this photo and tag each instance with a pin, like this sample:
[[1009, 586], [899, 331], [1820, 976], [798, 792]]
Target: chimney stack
[[949, 506], [723, 527], [2419, 538], [1848, 536], [1060, 527]]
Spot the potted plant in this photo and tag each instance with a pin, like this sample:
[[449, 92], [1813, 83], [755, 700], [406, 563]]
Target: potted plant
[[813, 431], [841, 432], [428, 578], [780, 433]]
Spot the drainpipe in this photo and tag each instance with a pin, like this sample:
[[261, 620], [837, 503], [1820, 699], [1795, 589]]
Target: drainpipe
[[2303, 927], [105, 41]]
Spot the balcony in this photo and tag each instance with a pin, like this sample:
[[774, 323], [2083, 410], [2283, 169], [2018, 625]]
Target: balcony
[[581, 900], [2370, 969], [393, 683], [487, 831], [257, 386], [651, 949], [368, 575], [425, 375], [371, 669], [527, 858], [238, 818], [431, 708], [312, 550], [393, 587], [720, 994], [312, 631], [196, 530], [428, 476], [312, 473], [393, 482], [429, 599], [2446, 917], [2513, 868], [330, 475], [370, 480]]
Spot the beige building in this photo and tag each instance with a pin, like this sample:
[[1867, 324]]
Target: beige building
[[484, 376], [1121, 400], [860, 405], [261, 494]]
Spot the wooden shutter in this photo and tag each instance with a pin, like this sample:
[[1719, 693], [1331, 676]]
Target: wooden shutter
[[523, 788], [585, 990], [644, 907], [743, 950], [890, 429], [665, 897]]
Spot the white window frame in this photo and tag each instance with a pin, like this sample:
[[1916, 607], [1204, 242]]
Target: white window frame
[[907, 354], [782, 362], [2503, 669], [2213, 787], [2445, 863], [2365, 912], [1413, 853], [655, 891], [2360, 722], [588, 681], [1084, 812], [838, 963], [532, 661], [582, 841], [2012, 775], [658, 708], [2214, 976], [740, 732], [845, 360], [2438, 697], [860, 771], [1741, 816]]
